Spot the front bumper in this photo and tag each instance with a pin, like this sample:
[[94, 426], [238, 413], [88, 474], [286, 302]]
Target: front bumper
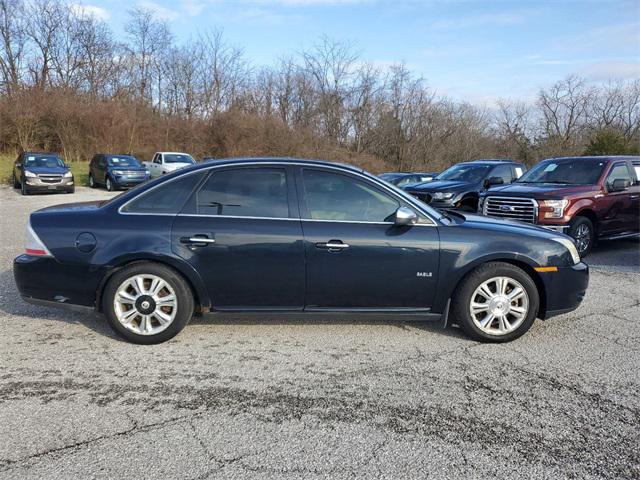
[[565, 289], [35, 184], [125, 182], [555, 228]]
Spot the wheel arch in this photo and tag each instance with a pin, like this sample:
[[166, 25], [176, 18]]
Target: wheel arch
[[187, 272], [591, 215], [519, 261]]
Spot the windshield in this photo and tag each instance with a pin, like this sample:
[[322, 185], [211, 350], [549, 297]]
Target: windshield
[[465, 172], [570, 172], [47, 161], [123, 161], [178, 158]]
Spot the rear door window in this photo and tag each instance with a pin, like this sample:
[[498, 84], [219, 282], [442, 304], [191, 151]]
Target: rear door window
[[245, 192]]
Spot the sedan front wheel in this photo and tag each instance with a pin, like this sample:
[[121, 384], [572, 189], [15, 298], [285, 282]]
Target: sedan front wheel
[[496, 302]]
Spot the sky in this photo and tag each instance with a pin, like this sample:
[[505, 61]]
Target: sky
[[471, 50]]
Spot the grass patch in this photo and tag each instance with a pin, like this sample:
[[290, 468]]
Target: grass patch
[[80, 170]]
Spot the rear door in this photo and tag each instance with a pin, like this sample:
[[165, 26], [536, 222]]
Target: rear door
[[357, 259], [241, 231]]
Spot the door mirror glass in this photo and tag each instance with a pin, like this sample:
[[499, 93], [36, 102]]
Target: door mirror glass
[[405, 216], [619, 185], [491, 181]]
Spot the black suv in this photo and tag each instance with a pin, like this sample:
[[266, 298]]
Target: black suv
[[41, 172], [459, 187]]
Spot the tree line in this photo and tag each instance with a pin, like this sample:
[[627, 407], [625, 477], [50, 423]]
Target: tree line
[[67, 84]]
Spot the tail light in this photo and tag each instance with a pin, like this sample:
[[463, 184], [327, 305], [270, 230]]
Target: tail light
[[34, 245]]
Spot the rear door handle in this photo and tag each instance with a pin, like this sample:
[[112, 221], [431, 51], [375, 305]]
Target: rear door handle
[[198, 240], [333, 245]]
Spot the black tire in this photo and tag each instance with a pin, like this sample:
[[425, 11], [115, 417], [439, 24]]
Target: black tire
[[23, 189], [72, 189], [92, 182], [184, 296], [16, 184], [581, 229], [109, 184], [462, 298]]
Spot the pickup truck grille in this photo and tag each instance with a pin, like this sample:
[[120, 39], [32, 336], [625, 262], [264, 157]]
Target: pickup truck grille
[[523, 209], [50, 178]]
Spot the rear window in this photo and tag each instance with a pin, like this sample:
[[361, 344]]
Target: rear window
[[166, 198]]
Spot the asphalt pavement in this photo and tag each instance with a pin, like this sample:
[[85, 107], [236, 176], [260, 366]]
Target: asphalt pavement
[[272, 398]]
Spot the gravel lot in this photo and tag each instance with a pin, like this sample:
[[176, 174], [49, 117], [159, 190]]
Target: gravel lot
[[266, 398]]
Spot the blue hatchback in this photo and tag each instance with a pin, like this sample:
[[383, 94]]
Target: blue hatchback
[[116, 171]]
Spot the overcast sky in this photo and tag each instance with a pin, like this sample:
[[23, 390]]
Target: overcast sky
[[472, 50]]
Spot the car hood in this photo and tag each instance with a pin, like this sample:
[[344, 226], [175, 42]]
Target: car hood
[[47, 170], [514, 226], [128, 169], [540, 190], [440, 186], [176, 166]]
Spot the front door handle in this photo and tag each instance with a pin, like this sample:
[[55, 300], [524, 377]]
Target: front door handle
[[198, 240], [333, 245]]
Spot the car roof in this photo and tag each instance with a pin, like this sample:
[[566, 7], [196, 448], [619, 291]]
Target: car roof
[[284, 160], [40, 153], [177, 153], [491, 161], [595, 158]]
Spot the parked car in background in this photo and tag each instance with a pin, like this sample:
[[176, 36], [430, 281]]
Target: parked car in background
[[116, 171], [459, 186], [41, 172], [403, 180], [586, 197], [166, 162], [285, 235]]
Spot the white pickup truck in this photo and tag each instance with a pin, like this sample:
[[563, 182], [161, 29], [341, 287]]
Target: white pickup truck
[[166, 162]]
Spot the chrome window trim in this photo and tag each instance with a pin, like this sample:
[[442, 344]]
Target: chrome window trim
[[380, 183]]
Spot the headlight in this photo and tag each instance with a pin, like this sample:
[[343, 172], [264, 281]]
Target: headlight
[[570, 246], [553, 208], [27, 173], [443, 196], [68, 175], [147, 172]]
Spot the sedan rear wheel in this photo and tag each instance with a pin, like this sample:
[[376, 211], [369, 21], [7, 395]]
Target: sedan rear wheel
[[497, 302], [147, 303]]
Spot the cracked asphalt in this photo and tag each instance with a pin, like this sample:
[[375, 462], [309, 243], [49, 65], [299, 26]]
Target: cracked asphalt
[[272, 398]]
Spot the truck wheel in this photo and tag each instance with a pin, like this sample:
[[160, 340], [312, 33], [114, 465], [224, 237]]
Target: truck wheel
[[582, 231], [147, 303], [496, 302]]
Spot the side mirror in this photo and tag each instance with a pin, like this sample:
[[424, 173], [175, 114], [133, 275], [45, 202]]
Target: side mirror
[[619, 185], [405, 216], [18, 164], [491, 181]]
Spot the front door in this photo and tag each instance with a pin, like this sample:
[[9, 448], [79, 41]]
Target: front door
[[357, 259], [617, 206], [240, 230]]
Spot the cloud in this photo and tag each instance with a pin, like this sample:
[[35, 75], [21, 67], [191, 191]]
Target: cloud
[[611, 70], [481, 20], [159, 12], [84, 11]]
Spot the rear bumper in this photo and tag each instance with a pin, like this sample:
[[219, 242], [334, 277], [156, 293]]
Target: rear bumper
[[565, 289], [45, 279]]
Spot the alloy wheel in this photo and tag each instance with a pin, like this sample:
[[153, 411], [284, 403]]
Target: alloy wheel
[[145, 304], [582, 238], [499, 305]]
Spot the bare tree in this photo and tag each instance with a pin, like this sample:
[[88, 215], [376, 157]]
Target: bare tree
[[12, 43]]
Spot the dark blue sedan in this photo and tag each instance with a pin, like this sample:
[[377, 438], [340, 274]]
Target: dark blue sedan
[[292, 236]]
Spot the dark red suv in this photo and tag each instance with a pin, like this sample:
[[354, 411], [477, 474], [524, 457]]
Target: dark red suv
[[586, 197]]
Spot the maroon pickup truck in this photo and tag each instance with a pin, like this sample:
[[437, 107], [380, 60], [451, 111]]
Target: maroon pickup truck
[[585, 197]]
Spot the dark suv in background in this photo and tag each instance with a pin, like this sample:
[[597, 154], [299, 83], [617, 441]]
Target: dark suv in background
[[116, 171], [41, 172], [459, 187], [585, 197]]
